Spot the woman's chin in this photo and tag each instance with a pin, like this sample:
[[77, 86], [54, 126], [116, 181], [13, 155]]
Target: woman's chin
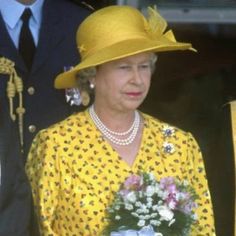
[[133, 105]]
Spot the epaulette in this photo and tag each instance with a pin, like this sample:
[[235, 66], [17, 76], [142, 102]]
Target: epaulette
[[14, 85], [88, 6], [84, 4]]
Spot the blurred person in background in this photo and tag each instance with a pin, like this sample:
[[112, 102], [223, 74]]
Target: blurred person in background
[[37, 43]]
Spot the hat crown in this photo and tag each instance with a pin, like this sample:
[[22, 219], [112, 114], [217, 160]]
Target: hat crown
[[109, 26], [115, 32]]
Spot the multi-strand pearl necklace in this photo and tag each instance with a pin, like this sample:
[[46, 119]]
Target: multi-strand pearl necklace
[[111, 135]]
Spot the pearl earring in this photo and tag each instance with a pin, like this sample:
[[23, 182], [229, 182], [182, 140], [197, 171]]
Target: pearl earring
[[91, 85]]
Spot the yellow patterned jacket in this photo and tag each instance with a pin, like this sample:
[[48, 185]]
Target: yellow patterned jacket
[[74, 173]]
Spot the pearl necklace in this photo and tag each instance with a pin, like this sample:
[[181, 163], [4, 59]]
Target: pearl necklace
[[110, 135]]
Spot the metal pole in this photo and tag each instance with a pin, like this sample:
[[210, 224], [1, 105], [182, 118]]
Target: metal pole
[[233, 121]]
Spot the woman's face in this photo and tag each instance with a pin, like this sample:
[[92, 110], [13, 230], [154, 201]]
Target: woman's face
[[123, 84]]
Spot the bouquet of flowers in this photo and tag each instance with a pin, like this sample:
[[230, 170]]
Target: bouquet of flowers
[[144, 206]]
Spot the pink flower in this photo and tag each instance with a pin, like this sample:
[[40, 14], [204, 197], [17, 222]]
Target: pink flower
[[171, 201], [133, 183], [188, 207], [168, 184], [165, 182]]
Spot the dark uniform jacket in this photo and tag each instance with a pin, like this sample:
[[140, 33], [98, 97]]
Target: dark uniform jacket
[[44, 105]]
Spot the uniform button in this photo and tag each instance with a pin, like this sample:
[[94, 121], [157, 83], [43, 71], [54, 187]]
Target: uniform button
[[32, 128], [31, 90]]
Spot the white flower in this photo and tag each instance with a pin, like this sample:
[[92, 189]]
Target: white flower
[[131, 197], [141, 223], [171, 222], [117, 217], [134, 214], [158, 234], [154, 207], [155, 222], [141, 217], [143, 206], [150, 190], [129, 207], [153, 215], [147, 217], [143, 210], [139, 211], [149, 204], [140, 194], [152, 177], [138, 204], [157, 188], [146, 211], [163, 194], [160, 202], [165, 213]]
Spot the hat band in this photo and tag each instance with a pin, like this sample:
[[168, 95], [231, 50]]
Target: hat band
[[92, 50]]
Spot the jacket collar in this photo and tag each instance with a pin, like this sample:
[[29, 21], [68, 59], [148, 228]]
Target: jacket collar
[[7, 47]]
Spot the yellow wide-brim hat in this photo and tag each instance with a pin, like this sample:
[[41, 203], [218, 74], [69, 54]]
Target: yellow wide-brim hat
[[115, 32]]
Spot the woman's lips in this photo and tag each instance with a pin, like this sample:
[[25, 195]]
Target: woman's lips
[[134, 94]]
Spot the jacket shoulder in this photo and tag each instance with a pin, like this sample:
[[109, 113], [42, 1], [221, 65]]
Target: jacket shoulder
[[163, 126], [70, 7], [71, 124]]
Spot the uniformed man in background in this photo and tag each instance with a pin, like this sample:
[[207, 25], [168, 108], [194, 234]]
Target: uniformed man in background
[[37, 42]]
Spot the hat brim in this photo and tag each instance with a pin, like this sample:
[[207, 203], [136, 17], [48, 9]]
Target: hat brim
[[118, 51]]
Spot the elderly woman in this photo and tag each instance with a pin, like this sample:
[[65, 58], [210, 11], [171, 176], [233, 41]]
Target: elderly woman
[[76, 166]]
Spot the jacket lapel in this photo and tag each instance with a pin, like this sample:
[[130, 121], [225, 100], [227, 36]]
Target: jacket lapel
[[8, 49], [50, 33]]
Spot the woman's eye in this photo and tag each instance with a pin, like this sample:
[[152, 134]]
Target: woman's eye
[[124, 67], [145, 66]]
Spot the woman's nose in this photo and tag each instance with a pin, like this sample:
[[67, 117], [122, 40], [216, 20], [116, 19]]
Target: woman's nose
[[137, 76]]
